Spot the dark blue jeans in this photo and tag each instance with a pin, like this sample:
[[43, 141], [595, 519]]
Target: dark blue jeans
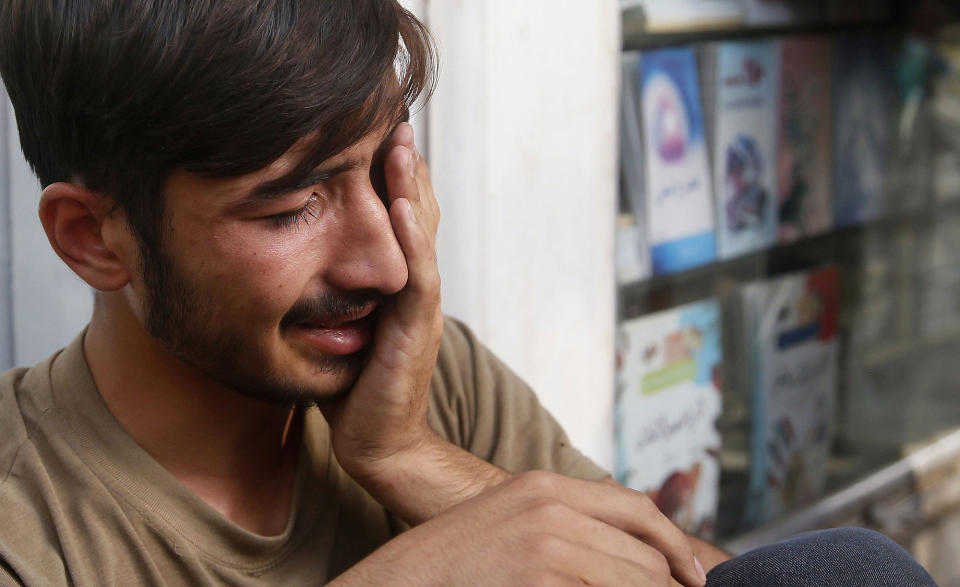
[[828, 558]]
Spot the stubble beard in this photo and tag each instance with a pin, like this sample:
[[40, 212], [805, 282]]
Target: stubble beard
[[197, 331]]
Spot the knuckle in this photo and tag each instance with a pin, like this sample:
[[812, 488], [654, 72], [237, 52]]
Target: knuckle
[[547, 547], [645, 506], [538, 482], [549, 512]]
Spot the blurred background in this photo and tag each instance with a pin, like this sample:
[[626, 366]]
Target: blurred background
[[718, 237]]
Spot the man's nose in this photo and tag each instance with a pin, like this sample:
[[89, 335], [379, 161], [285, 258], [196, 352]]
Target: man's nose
[[365, 253]]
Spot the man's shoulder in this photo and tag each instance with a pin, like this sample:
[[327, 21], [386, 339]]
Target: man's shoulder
[[456, 359], [29, 413], [24, 403], [479, 403], [26, 399], [458, 341], [463, 359], [466, 373], [14, 417], [466, 367], [30, 437]]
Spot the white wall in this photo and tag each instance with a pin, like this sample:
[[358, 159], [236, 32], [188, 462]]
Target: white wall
[[522, 147], [6, 342]]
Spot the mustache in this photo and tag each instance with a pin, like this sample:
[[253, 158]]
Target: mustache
[[331, 307]]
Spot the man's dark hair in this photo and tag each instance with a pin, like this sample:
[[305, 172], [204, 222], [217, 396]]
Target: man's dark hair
[[119, 93]]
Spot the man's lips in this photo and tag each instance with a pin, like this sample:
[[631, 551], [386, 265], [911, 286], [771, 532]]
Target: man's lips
[[343, 335]]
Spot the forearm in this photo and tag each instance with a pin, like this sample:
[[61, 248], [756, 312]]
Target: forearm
[[418, 485]]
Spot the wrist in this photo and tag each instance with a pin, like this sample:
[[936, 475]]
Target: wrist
[[387, 465], [426, 478]]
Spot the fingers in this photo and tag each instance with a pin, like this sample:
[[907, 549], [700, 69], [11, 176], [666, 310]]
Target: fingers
[[594, 567], [636, 514], [589, 534], [412, 208], [628, 510], [400, 172], [417, 248], [413, 326], [420, 192]]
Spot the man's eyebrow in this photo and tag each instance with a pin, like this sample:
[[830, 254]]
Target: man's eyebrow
[[278, 187]]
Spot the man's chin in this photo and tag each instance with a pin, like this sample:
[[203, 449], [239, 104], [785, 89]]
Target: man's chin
[[315, 381], [282, 391]]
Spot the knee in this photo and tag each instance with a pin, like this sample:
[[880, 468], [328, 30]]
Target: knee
[[843, 556], [859, 541]]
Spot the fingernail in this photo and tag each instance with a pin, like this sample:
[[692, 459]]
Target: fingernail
[[410, 164], [703, 574]]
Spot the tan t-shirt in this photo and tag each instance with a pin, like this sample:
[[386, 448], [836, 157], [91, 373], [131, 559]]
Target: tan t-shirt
[[82, 504]]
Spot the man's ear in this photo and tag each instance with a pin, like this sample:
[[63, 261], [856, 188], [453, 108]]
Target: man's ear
[[96, 244]]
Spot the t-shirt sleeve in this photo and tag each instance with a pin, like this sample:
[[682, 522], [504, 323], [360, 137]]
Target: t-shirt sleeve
[[478, 403]]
